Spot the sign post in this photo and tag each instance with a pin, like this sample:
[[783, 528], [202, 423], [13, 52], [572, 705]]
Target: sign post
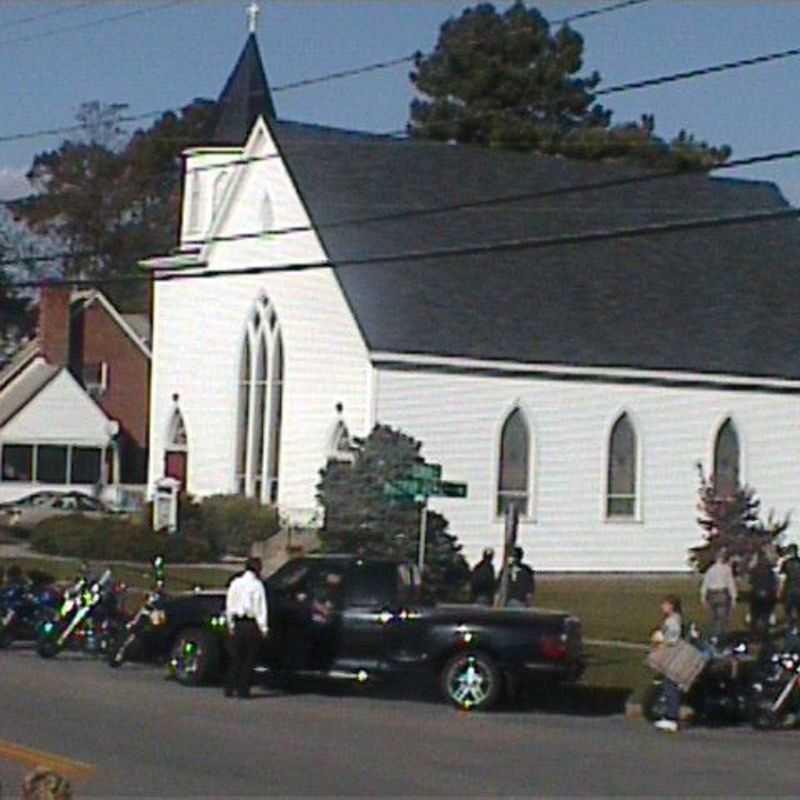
[[509, 541], [423, 481]]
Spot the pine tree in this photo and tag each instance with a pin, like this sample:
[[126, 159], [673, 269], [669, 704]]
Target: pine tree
[[360, 518], [732, 522]]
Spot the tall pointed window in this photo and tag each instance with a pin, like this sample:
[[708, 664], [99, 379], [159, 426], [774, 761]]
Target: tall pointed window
[[621, 483], [176, 454], [726, 459], [260, 405], [513, 484]]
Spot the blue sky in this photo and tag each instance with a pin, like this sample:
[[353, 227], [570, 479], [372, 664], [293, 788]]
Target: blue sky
[[165, 57]]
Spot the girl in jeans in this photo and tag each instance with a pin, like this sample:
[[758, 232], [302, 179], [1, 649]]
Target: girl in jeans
[[668, 634]]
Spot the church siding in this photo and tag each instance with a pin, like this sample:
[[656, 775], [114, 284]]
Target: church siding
[[199, 325], [458, 419]]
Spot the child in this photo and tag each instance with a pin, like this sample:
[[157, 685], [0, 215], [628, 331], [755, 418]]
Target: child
[[667, 635]]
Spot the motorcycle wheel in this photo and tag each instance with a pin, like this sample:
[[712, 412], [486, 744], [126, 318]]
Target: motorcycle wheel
[[120, 648], [6, 638], [194, 657], [47, 647], [763, 718]]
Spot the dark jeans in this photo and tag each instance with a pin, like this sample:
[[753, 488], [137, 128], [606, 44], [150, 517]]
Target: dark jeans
[[672, 700], [243, 647], [760, 612], [791, 604], [719, 602]]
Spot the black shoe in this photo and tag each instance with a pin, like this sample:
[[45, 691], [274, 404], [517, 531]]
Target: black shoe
[[229, 693]]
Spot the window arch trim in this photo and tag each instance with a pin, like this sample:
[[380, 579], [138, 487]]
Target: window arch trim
[[497, 512], [723, 420], [638, 466]]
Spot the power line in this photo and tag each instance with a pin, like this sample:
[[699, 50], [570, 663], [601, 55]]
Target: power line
[[700, 72], [397, 216], [346, 73], [47, 14], [512, 245], [594, 12], [93, 23]]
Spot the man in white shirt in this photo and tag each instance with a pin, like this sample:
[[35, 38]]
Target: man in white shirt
[[718, 594], [246, 615]]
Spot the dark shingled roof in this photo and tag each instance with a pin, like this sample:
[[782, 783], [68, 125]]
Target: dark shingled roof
[[711, 300], [246, 96]]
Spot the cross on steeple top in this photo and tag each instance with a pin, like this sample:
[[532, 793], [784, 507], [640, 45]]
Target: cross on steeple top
[[253, 10]]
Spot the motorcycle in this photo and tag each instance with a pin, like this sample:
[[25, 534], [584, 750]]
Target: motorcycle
[[776, 693], [89, 618], [127, 644], [23, 608], [721, 694]]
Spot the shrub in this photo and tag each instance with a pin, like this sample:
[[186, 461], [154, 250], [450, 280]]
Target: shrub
[[113, 540], [229, 523]]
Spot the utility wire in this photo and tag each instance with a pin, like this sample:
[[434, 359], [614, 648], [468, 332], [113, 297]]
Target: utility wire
[[512, 245], [93, 23], [440, 209], [700, 72], [47, 14], [594, 12]]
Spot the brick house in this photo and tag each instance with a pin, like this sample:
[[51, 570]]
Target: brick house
[[74, 401]]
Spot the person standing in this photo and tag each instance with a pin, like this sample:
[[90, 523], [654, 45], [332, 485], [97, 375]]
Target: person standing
[[521, 581], [482, 582], [790, 571], [246, 615], [763, 596], [718, 594], [668, 635]]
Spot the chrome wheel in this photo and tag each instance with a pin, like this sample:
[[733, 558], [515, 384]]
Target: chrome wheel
[[471, 682]]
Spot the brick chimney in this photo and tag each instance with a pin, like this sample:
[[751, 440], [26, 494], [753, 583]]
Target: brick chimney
[[54, 324]]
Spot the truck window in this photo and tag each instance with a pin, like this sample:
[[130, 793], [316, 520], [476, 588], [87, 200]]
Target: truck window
[[290, 576], [371, 585]]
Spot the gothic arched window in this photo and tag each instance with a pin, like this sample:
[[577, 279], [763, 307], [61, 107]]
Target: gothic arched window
[[621, 484], [260, 406], [513, 483], [726, 460], [176, 453]]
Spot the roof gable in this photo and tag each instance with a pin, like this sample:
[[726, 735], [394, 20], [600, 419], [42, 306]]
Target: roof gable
[[96, 297]]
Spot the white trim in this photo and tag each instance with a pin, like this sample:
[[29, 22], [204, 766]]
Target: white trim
[[118, 318], [638, 513], [623, 373]]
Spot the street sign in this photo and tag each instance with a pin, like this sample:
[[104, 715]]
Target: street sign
[[426, 472], [407, 489], [450, 489]]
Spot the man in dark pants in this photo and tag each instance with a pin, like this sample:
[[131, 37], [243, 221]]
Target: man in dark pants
[[482, 580], [246, 615], [790, 569]]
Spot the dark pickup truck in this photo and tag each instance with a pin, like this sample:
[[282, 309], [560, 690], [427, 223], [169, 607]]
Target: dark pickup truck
[[340, 616]]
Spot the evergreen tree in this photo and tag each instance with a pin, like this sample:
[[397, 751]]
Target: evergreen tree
[[360, 518], [506, 80], [732, 522]]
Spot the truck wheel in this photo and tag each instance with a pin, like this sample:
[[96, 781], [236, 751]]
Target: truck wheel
[[471, 681], [194, 657], [763, 718]]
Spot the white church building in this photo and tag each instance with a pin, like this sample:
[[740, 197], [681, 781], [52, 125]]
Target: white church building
[[328, 281]]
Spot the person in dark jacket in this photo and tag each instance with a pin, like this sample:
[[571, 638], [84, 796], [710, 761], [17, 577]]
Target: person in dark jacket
[[763, 596], [483, 582], [790, 570], [521, 581]]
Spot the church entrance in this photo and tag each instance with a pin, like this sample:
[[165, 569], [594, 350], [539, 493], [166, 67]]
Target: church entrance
[[176, 454]]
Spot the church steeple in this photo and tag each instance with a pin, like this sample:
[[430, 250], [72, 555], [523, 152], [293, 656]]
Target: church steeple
[[246, 95]]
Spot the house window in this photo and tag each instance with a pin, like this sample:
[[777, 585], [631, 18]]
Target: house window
[[194, 202], [514, 471], [260, 386], [726, 460], [85, 465], [18, 462], [51, 464], [621, 486]]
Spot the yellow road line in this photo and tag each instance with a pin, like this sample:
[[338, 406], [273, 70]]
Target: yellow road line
[[69, 768]]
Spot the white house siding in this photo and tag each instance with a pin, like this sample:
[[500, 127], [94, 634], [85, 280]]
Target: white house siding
[[458, 419], [61, 414], [199, 325]]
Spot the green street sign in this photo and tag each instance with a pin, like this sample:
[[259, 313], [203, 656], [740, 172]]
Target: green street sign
[[450, 489], [427, 472], [407, 489]]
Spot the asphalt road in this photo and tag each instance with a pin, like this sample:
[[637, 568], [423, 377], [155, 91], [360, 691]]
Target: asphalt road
[[132, 733]]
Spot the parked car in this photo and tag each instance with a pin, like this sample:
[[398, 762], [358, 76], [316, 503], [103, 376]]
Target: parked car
[[33, 508], [371, 624]]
